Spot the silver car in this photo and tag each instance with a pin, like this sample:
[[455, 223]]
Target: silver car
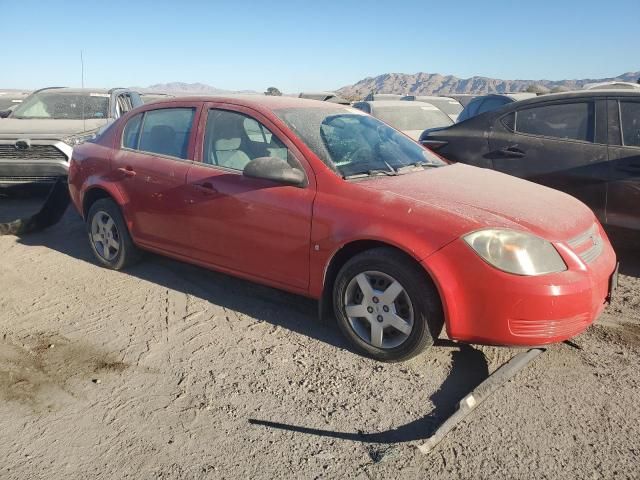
[[411, 118], [37, 137]]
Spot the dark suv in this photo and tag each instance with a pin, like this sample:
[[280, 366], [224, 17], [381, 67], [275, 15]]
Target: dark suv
[[585, 143]]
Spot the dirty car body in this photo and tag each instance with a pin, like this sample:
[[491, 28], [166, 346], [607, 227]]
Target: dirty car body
[[348, 211], [37, 137]]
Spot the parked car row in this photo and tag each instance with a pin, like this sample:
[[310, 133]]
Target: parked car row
[[326, 201], [329, 201]]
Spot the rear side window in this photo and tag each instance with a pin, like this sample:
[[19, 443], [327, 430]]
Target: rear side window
[[571, 121], [166, 131], [132, 132], [509, 121], [630, 117]]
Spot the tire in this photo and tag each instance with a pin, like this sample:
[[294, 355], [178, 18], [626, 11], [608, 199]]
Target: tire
[[126, 253], [418, 304]]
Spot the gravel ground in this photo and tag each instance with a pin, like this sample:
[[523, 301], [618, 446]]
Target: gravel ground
[[171, 371]]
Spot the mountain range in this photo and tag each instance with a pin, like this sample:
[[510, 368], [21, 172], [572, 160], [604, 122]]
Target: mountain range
[[436, 84], [181, 88], [415, 84]]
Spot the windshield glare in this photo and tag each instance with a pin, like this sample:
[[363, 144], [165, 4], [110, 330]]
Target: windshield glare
[[355, 143], [413, 118], [63, 105]]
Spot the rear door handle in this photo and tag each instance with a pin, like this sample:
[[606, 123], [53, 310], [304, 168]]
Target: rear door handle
[[512, 152], [206, 187], [127, 171]]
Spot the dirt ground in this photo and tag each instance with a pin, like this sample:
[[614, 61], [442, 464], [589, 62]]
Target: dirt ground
[[171, 371]]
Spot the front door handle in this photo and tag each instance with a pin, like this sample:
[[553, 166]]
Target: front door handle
[[633, 169], [512, 152], [206, 188], [127, 171]]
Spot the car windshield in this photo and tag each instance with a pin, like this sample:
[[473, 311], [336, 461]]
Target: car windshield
[[413, 118], [354, 143], [61, 105]]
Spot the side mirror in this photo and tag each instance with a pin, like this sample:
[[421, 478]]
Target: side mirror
[[5, 113], [276, 170]]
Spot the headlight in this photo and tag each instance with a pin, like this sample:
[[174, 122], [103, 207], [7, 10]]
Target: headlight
[[516, 252], [74, 140]]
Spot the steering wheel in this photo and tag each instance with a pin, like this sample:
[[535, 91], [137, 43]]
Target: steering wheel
[[362, 154]]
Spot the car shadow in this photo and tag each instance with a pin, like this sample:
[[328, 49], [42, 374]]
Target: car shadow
[[627, 246], [264, 304], [468, 369]]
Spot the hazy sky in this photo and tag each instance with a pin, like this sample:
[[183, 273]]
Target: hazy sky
[[310, 45]]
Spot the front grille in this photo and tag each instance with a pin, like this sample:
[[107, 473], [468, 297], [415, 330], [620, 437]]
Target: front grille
[[588, 245], [35, 152], [548, 328]]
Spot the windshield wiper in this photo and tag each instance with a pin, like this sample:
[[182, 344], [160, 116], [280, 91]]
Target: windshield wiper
[[371, 173], [415, 166]]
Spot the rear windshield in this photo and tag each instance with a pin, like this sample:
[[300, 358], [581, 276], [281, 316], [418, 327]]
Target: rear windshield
[[353, 143], [448, 106], [414, 118], [62, 105]]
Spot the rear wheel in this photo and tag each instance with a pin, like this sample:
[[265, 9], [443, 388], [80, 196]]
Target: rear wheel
[[109, 237], [386, 305]]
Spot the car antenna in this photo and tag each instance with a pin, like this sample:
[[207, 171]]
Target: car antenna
[[84, 123]]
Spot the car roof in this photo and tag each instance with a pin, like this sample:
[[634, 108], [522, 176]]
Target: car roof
[[512, 95], [82, 90], [268, 102], [395, 103], [419, 98], [581, 94]]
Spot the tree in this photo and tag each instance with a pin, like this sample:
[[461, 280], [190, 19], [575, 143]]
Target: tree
[[559, 89], [538, 89], [273, 91]]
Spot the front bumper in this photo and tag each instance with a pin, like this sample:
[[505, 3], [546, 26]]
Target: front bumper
[[485, 305], [43, 162]]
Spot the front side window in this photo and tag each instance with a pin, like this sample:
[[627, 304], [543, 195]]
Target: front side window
[[354, 144], [630, 118], [232, 140], [166, 131], [63, 105], [571, 121]]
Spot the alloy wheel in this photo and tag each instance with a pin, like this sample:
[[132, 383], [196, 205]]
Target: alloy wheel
[[105, 236], [379, 309]]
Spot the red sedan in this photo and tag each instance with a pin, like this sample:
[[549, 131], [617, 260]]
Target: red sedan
[[325, 201]]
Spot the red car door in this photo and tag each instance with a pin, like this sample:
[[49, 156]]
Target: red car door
[[152, 165], [250, 226]]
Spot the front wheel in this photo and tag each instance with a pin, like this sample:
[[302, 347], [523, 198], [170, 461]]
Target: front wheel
[[386, 305], [109, 237]]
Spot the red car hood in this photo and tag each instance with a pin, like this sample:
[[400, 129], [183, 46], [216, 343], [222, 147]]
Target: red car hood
[[480, 198]]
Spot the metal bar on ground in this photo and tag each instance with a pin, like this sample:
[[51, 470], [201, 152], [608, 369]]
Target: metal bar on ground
[[479, 395]]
